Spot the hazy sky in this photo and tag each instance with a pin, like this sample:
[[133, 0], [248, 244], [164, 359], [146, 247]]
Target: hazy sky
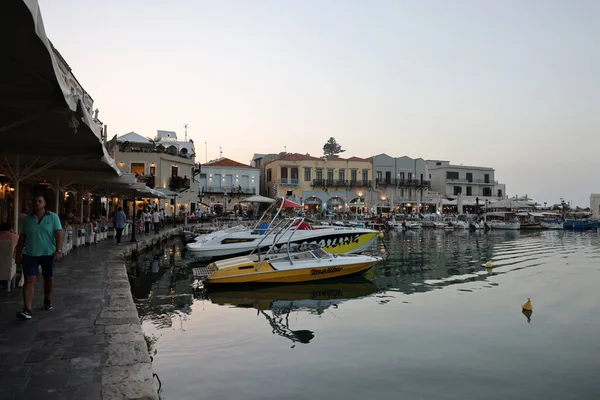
[[513, 85]]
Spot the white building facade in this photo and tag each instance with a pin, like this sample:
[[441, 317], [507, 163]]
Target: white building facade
[[595, 205], [399, 183], [469, 181], [224, 182], [163, 164]]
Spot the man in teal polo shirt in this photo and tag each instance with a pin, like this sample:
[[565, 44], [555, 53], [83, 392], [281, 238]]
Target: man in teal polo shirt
[[40, 244]]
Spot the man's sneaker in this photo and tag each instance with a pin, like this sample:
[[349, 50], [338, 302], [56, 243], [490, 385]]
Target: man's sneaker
[[47, 305], [24, 314]]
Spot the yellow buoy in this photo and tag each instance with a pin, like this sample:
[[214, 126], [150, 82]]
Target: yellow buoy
[[489, 264], [380, 235], [527, 305]]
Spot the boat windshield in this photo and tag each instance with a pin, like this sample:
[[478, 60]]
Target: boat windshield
[[320, 253]]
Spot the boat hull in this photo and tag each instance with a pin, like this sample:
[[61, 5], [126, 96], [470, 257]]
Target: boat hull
[[513, 226], [580, 225], [334, 241], [266, 273]]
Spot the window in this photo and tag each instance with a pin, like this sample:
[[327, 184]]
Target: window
[[307, 174], [217, 181], [499, 192], [451, 175], [469, 177], [457, 190], [342, 175], [269, 175], [137, 168], [353, 174], [284, 172], [410, 176], [330, 175], [379, 176], [388, 177], [438, 163], [487, 192], [421, 177], [469, 191], [365, 176], [486, 178], [294, 173], [319, 174], [152, 170], [402, 177]]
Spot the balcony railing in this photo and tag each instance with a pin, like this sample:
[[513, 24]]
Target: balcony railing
[[289, 182], [228, 189], [475, 181], [403, 183], [179, 183], [340, 183], [149, 180]]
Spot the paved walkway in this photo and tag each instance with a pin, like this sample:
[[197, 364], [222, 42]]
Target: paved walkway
[[90, 346]]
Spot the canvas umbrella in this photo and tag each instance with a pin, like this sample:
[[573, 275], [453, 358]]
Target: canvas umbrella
[[257, 199]]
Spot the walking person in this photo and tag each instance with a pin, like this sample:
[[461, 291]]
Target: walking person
[[119, 223], [156, 221], [162, 218], [40, 244], [147, 220]]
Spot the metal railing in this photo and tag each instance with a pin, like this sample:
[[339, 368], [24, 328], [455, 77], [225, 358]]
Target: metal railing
[[289, 181]]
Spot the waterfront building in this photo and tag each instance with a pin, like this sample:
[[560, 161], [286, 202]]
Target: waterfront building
[[471, 182], [224, 182], [595, 205], [400, 184], [260, 161], [165, 163], [321, 184]]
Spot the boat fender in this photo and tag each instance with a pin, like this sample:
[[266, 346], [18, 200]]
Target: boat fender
[[380, 235], [489, 264]]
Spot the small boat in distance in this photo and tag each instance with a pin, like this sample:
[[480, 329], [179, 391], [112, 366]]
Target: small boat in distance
[[502, 220]]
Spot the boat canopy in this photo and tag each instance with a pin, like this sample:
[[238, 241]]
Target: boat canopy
[[288, 203]]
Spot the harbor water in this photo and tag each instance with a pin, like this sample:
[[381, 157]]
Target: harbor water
[[429, 322]]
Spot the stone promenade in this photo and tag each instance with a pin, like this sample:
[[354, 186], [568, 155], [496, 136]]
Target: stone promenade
[[90, 346]]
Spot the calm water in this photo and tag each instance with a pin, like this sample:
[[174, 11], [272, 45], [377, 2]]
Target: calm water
[[429, 322]]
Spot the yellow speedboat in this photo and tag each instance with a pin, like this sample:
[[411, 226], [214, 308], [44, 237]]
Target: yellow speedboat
[[289, 264]]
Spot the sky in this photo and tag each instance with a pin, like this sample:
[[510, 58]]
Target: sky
[[512, 85]]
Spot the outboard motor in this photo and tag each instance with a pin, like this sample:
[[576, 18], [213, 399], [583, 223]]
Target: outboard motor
[[188, 237]]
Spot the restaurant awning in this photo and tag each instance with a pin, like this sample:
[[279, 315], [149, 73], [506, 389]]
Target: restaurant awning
[[43, 124]]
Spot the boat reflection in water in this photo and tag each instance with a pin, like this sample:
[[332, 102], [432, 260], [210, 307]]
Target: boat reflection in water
[[276, 303]]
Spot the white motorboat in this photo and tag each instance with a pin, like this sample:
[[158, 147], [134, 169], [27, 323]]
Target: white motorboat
[[413, 225], [502, 220], [239, 240]]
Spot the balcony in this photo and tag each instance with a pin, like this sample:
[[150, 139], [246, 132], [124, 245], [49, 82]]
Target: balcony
[[384, 181], [472, 181], [289, 182], [149, 180], [359, 183], [340, 183], [404, 183], [412, 183], [178, 183], [228, 190]]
